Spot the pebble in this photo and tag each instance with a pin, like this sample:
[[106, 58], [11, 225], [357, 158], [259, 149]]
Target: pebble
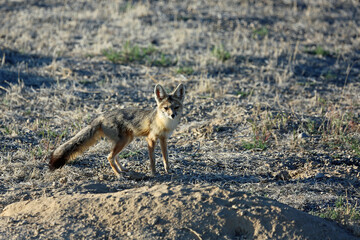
[[303, 136]]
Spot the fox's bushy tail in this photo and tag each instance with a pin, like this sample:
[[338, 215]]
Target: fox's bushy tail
[[76, 145]]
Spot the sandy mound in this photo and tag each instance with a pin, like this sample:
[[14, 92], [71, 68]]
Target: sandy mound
[[163, 211]]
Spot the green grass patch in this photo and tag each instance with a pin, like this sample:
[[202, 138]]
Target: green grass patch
[[260, 32], [36, 152], [85, 82], [128, 154], [221, 53], [318, 51], [342, 211], [345, 142], [128, 54], [112, 55], [7, 130], [256, 145], [243, 94], [311, 127], [48, 134], [124, 7], [354, 145], [143, 55], [329, 76], [339, 130], [185, 70]]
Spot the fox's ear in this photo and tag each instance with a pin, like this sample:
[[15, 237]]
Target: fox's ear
[[160, 93], [179, 92]]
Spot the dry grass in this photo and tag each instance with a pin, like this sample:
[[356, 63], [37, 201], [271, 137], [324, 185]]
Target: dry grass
[[272, 103]]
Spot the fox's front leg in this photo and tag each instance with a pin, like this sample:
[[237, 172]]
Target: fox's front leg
[[164, 151], [151, 148]]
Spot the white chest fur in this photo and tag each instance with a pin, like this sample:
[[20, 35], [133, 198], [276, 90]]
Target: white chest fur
[[165, 125]]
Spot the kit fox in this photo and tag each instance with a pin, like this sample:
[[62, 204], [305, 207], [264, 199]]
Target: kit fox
[[122, 125]]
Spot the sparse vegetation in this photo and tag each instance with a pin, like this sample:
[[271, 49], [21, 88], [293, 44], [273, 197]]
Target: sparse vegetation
[[129, 53], [318, 51], [342, 211], [256, 144], [260, 32], [126, 6], [329, 76], [128, 154], [244, 94], [221, 53], [271, 108], [142, 55], [185, 70]]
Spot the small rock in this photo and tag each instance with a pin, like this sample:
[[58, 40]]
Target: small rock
[[155, 220], [282, 175], [303, 136], [63, 180], [96, 188]]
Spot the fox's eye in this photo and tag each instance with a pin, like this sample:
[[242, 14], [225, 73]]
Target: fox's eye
[[166, 108]]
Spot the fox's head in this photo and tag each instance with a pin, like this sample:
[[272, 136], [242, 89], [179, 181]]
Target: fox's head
[[170, 105]]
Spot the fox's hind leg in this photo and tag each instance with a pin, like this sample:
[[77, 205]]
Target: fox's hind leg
[[113, 158]]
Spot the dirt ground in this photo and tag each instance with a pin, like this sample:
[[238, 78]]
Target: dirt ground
[[268, 148]]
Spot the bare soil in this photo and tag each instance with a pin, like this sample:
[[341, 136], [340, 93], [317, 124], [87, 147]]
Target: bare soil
[[161, 211], [268, 146]]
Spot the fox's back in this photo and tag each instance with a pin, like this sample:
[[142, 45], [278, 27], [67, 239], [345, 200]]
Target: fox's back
[[122, 121]]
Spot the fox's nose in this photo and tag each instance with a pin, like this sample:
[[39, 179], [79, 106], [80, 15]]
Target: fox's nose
[[173, 115]]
